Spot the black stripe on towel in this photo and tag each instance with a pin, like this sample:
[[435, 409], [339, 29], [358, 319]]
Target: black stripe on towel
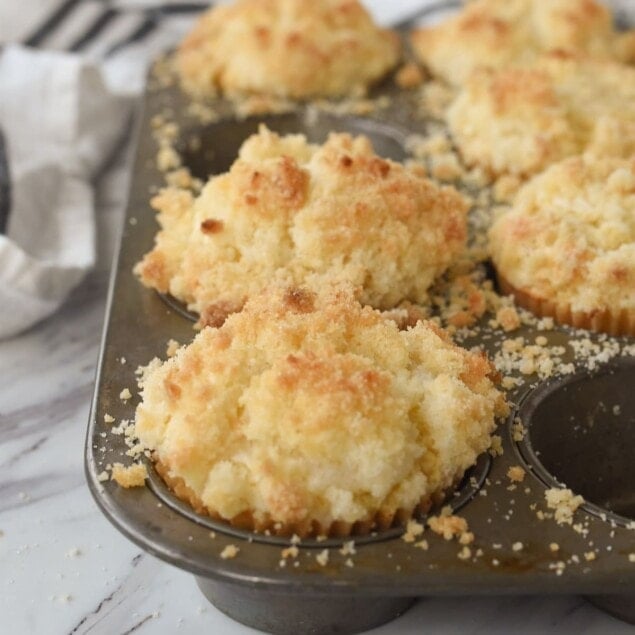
[[5, 186], [51, 23], [99, 24]]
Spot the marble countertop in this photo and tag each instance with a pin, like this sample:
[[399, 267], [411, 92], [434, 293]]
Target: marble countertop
[[65, 569]]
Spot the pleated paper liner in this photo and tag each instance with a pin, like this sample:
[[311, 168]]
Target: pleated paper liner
[[310, 528], [614, 322]]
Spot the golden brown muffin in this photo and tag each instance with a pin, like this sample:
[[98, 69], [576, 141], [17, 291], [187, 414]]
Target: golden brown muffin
[[567, 247], [308, 413], [520, 121], [286, 48], [504, 33], [305, 214]]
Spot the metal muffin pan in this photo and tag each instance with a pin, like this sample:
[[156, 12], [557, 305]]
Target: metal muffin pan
[[388, 573]]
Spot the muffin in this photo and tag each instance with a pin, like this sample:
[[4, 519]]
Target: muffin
[[307, 413], [504, 33], [520, 121], [566, 248], [286, 48], [305, 214]]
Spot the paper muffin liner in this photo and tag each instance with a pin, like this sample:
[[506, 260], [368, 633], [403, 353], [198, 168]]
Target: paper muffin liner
[[613, 322], [309, 528]]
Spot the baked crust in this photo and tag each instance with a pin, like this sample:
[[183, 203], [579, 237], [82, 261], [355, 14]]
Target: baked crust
[[505, 33], [286, 48], [566, 248], [305, 214], [309, 413], [520, 121]]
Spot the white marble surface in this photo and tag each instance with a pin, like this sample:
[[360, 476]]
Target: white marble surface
[[64, 569]]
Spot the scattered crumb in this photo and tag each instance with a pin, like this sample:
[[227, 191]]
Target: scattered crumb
[[290, 552], [172, 347], [409, 76], [230, 551], [516, 474], [108, 418], [508, 318], [517, 546], [448, 526], [422, 544], [564, 503], [465, 553], [496, 449], [413, 530], [554, 546], [125, 394], [323, 557], [102, 476], [349, 562], [131, 476], [348, 548], [589, 556]]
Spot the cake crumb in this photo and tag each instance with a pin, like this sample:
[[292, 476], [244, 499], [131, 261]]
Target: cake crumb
[[631, 557], [448, 526], [108, 418], [516, 474], [349, 563], [465, 553], [564, 503], [172, 347], [554, 546], [229, 552], [323, 557], [589, 556], [508, 318], [125, 394], [102, 476], [422, 544], [290, 552], [131, 476], [348, 548], [413, 530], [496, 448], [517, 546], [409, 76]]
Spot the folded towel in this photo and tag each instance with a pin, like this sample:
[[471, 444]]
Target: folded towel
[[59, 123]]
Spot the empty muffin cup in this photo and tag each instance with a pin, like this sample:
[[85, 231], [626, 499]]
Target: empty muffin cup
[[580, 433]]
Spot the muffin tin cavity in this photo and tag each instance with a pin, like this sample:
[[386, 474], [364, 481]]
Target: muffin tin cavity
[[212, 149], [580, 433], [467, 488]]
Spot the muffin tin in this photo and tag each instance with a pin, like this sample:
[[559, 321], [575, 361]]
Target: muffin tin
[[579, 430]]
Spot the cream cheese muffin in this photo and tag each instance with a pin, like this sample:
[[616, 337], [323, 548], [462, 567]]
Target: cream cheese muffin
[[504, 33], [566, 248], [305, 214], [520, 121], [307, 413], [286, 48]]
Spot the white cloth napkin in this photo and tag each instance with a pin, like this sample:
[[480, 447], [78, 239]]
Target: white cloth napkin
[[60, 123]]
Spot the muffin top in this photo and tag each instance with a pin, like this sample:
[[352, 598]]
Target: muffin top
[[286, 48], [305, 214], [520, 121], [310, 407], [503, 33], [570, 236]]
